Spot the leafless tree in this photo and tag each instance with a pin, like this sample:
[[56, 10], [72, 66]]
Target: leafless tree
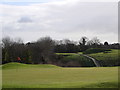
[[83, 40], [96, 41], [7, 41]]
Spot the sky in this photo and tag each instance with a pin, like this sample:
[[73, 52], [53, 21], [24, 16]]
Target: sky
[[59, 19]]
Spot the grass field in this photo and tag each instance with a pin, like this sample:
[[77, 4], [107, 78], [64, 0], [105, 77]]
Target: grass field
[[113, 54], [76, 57], [66, 53], [108, 59], [16, 75]]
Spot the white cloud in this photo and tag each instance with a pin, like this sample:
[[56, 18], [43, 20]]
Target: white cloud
[[64, 19]]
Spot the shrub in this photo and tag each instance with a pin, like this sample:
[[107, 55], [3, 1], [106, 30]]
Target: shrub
[[95, 50], [76, 60]]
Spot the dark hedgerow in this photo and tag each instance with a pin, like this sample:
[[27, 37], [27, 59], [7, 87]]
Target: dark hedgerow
[[96, 50]]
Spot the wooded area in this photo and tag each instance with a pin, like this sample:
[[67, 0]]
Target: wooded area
[[43, 51]]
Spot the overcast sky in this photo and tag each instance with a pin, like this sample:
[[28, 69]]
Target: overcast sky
[[60, 19]]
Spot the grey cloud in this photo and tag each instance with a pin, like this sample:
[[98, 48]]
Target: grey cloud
[[25, 20]]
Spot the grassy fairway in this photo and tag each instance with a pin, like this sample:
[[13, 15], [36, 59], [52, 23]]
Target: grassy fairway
[[41, 76], [107, 59], [111, 55]]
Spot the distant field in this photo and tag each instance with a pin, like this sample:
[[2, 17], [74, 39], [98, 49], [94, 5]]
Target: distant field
[[107, 59], [22, 66], [16, 75], [69, 53], [77, 59]]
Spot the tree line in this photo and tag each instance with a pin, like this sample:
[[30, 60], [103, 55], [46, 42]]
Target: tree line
[[43, 50]]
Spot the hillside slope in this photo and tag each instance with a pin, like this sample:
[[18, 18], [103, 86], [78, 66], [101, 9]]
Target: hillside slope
[[107, 58], [14, 65], [42, 77]]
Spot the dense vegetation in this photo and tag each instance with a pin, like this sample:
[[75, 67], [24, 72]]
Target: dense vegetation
[[43, 51], [110, 58], [95, 50], [74, 60], [40, 61], [42, 76]]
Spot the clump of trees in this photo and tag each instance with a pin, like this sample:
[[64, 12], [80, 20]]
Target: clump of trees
[[66, 46], [43, 50], [40, 51]]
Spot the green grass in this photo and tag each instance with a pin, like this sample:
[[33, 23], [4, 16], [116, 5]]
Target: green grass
[[95, 50], [102, 56], [81, 60], [15, 65], [80, 52], [110, 58], [66, 53], [46, 77], [77, 59]]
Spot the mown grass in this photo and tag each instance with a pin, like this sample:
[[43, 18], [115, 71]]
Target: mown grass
[[107, 59], [15, 65], [66, 53], [113, 54], [45, 77]]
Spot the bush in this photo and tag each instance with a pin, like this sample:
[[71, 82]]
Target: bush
[[76, 61], [95, 50]]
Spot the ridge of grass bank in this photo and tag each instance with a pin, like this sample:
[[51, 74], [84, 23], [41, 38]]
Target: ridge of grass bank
[[14, 65]]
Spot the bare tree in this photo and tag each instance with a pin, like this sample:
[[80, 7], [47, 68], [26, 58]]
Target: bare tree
[[42, 50], [7, 41], [90, 42], [18, 40], [96, 41], [12, 49], [83, 43], [83, 40]]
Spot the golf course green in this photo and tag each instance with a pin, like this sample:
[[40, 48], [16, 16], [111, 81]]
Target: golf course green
[[17, 75]]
